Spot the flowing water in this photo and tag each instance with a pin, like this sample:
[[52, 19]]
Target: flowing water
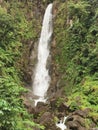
[[41, 76], [61, 124]]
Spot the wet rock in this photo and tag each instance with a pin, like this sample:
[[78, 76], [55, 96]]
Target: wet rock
[[54, 43], [81, 113], [29, 106], [53, 103], [41, 108], [76, 120], [63, 107], [74, 125], [46, 117]]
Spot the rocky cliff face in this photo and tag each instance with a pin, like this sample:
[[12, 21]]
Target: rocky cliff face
[[55, 108]]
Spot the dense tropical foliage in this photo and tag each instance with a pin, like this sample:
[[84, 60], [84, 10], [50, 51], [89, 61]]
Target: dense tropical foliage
[[14, 29], [75, 57], [76, 33]]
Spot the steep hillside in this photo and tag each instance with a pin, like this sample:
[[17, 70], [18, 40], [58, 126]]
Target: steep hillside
[[74, 65], [18, 31], [76, 55]]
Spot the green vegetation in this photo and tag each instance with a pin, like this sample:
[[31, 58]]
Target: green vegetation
[[14, 29], [76, 57], [76, 34]]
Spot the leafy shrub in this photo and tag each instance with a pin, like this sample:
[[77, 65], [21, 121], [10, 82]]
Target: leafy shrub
[[13, 29], [76, 32]]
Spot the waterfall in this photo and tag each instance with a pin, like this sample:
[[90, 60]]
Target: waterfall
[[61, 124], [41, 76]]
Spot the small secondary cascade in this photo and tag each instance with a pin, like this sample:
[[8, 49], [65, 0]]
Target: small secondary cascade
[[41, 76], [61, 124]]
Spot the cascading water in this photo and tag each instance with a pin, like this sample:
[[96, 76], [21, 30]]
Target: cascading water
[[41, 76], [61, 124]]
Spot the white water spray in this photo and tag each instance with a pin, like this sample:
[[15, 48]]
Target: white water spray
[[61, 124], [41, 77]]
